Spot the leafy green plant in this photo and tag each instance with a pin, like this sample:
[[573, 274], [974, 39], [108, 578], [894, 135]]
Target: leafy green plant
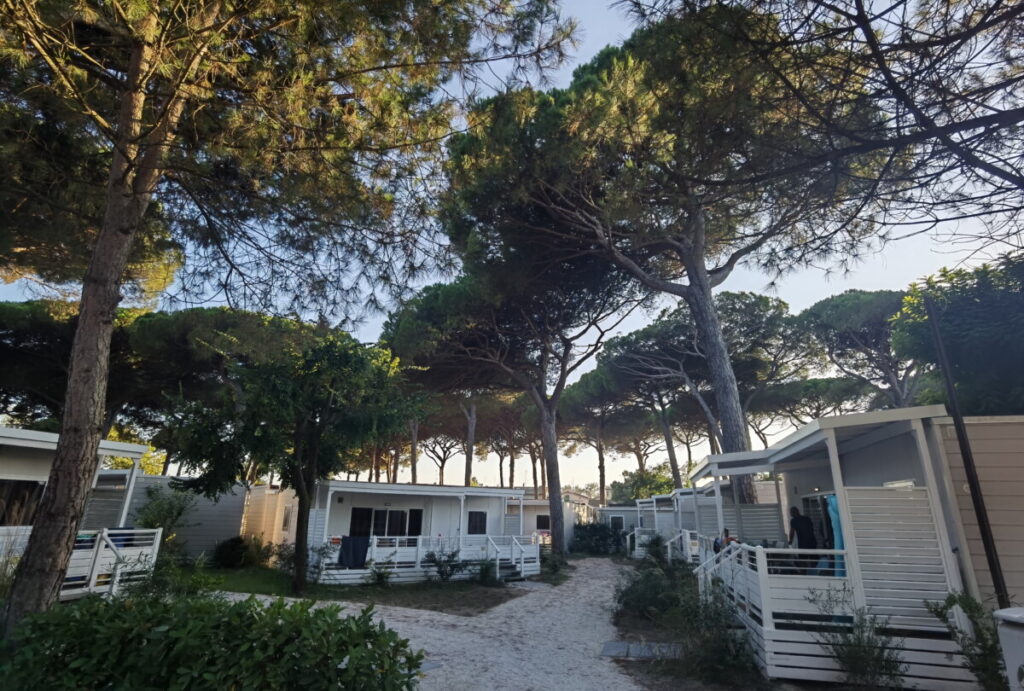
[[445, 564], [167, 509], [171, 578], [857, 641], [238, 552], [650, 592], [206, 643], [656, 551], [983, 654], [715, 648], [379, 575], [487, 573], [596, 538]]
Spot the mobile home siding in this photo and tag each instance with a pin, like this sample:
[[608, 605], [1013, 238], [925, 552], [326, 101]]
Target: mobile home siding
[[206, 525], [998, 448]]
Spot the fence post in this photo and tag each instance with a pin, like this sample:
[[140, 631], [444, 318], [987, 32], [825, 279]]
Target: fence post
[[767, 621]]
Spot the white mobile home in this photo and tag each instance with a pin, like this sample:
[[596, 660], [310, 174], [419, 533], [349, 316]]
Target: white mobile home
[[356, 525], [102, 557], [892, 527]]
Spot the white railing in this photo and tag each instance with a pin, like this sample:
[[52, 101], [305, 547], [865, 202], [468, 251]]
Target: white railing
[[684, 546], [774, 584], [409, 552], [637, 539], [101, 560]]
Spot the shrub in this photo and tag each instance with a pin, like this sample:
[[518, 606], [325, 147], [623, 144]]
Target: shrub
[[239, 552], [716, 649], [650, 592], [487, 573], [858, 643], [596, 538], [167, 509], [380, 575], [204, 643], [445, 564], [170, 578], [657, 551], [982, 653]]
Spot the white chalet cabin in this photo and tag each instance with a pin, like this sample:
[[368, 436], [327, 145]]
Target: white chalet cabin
[[893, 528], [357, 526]]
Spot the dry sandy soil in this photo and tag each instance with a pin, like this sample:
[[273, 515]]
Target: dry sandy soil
[[550, 638]]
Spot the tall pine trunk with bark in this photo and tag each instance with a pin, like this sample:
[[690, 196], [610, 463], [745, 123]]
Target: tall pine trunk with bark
[[469, 410], [602, 491], [135, 168], [549, 442], [670, 447], [414, 431]]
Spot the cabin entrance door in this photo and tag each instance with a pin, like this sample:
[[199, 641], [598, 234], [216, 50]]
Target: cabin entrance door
[[362, 522]]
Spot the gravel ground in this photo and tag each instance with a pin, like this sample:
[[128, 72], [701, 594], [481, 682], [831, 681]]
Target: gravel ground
[[549, 638]]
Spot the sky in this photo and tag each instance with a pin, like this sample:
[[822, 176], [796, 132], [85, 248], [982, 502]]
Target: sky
[[894, 266]]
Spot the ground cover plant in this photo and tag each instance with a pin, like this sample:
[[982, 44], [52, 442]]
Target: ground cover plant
[[156, 642], [463, 597], [663, 602]]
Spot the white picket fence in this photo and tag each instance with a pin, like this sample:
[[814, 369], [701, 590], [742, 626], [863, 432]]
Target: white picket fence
[[101, 560]]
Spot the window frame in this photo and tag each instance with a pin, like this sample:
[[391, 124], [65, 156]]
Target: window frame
[[470, 515]]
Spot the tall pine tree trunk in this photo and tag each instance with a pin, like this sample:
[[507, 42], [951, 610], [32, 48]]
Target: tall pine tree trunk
[[134, 170], [511, 467], [549, 442], [414, 431], [533, 462], [470, 412], [600, 470], [731, 419], [670, 447]]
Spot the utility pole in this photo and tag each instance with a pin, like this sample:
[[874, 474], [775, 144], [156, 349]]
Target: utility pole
[[973, 483]]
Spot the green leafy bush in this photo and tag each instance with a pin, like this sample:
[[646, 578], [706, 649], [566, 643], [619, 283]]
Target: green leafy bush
[[239, 552], [596, 538], [982, 653], [167, 509], [714, 647], [487, 573], [868, 656], [204, 643], [380, 574], [445, 564], [169, 578], [656, 551], [650, 592]]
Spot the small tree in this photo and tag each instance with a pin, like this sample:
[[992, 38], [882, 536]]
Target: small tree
[[295, 413]]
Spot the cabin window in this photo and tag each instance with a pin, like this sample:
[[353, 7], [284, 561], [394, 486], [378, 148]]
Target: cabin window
[[618, 523], [477, 523], [543, 522], [396, 523], [19, 500], [286, 523], [415, 522]]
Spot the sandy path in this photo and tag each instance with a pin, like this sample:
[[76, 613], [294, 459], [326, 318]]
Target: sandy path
[[549, 638]]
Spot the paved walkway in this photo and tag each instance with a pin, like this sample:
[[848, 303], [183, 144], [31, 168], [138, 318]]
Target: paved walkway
[[550, 638]]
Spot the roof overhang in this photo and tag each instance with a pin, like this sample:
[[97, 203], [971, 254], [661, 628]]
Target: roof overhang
[[812, 437], [47, 441], [422, 490]]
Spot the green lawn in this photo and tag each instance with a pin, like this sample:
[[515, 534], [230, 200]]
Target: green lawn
[[464, 598]]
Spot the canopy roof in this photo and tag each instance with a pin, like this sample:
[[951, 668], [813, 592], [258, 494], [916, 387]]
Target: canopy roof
[[810, 440]]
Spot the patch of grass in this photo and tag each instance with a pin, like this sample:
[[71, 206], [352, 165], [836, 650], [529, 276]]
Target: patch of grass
[[463, 598]]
